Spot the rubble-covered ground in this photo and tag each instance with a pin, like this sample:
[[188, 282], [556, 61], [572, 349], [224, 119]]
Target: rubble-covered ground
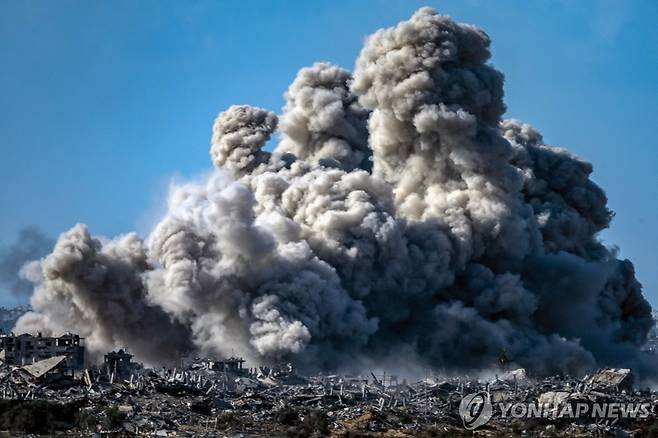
[[200, 401]]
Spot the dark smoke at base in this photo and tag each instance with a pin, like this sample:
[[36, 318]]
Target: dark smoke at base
[[399, 214]]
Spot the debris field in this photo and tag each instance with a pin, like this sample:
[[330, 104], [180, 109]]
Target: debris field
[[222, 398]]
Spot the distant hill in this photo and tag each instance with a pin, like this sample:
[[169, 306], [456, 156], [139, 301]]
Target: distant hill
[[9, 316]]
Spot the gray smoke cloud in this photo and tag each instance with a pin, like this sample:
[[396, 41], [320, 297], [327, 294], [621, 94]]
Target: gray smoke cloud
[[95, 289], [398, 213], [31, 244], [323, 122]]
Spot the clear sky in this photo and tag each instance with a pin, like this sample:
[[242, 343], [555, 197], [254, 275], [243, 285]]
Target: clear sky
[[102, 103]]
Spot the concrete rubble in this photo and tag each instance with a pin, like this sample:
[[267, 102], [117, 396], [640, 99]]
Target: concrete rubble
[[222, 398]]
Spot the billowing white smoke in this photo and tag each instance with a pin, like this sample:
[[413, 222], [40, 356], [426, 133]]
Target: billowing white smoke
[[398, 213]]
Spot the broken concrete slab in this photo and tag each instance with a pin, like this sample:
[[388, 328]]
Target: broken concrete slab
[[616, 378], [40, 368]]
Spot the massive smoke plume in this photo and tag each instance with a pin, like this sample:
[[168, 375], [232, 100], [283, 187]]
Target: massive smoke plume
[[398, 214]]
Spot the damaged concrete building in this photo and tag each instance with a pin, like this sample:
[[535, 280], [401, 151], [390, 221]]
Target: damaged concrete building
[[120, 364], [26, 349]]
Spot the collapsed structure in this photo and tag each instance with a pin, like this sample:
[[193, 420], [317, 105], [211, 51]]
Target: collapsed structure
[[222, 398], [209, 397], [26, 349], [398, 216]]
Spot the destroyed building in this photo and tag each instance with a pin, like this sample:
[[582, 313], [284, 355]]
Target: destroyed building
[[120, 363], [231, 365], [199, 399], [54, 368], [25, 349]]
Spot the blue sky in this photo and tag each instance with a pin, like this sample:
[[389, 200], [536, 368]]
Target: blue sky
[[102, 103]]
